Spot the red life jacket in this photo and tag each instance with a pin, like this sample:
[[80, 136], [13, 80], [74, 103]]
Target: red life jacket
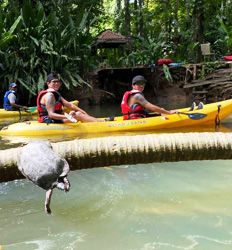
[[42, 111], [132, 113], [228, 58]]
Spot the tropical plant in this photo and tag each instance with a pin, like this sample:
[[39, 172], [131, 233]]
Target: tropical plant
[[38, 43], [37, 37], [167, 74], [226, 34]]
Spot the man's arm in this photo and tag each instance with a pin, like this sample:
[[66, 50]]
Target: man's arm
[[142, 101], [50, 102], [12, 99], [72, 106]]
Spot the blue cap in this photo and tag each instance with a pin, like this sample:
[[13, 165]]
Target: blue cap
[[13, 84]]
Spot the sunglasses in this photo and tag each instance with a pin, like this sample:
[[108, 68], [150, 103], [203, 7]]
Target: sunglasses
[[55, 81], [140, 83]]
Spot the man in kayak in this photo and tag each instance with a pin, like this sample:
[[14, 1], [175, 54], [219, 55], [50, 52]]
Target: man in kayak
[[134, 103], [50, 103], [10, 102]]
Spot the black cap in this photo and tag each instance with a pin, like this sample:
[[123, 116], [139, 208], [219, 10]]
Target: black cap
[[52, 76], [138, 79]]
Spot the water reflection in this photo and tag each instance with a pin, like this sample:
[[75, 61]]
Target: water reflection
[[185, 205]]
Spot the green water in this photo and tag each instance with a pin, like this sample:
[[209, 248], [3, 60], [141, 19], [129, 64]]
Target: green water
[[184, 205]]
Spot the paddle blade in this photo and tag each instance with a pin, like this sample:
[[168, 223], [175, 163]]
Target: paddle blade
[[32, 109], [197, 116], [194, 116]]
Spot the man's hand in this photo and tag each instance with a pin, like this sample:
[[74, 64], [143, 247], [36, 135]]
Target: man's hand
[[24, 108], [72, 113], [172, 112]]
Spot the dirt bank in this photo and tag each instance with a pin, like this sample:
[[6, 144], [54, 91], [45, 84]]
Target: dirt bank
[[108, 86]]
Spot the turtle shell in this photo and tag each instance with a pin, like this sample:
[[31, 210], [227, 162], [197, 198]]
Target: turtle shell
[[41, 165]]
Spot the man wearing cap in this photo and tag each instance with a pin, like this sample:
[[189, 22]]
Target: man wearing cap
[[50, 103], [10, 101], [134, 103]]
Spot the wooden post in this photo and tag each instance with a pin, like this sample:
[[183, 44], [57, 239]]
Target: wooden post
[[115, 56], [203, 70], [194, 72]]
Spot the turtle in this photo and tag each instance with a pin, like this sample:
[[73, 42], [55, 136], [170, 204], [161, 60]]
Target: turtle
[[40, 164]]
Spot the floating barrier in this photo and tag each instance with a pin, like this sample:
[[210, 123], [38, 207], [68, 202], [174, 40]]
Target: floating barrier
[[122, 150]]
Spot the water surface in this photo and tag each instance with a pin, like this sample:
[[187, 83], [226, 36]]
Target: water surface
[[184, 205]]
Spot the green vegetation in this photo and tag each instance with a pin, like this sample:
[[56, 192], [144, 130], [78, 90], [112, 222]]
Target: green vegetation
[[38, 37]]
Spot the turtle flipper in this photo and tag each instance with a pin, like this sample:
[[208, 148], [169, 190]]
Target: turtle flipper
[[67, 184], [48, 201]]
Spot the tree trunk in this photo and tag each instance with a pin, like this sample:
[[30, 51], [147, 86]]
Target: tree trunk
[[110, 151], [198, 19], [176, 21], [187, 12], [136, 22], [141, 17], [128, 25], [166, 19], [127, 18], [117, 14]]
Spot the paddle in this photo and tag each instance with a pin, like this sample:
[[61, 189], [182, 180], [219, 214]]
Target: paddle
[[29, 109], [32, 109], [193, 116]]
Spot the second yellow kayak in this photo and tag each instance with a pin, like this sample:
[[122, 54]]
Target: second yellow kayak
[[31, 111]]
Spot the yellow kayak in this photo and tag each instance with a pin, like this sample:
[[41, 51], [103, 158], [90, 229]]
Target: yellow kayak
[[31, 111], [185, 118]]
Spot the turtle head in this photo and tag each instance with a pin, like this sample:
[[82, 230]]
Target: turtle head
[[63, 183]]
